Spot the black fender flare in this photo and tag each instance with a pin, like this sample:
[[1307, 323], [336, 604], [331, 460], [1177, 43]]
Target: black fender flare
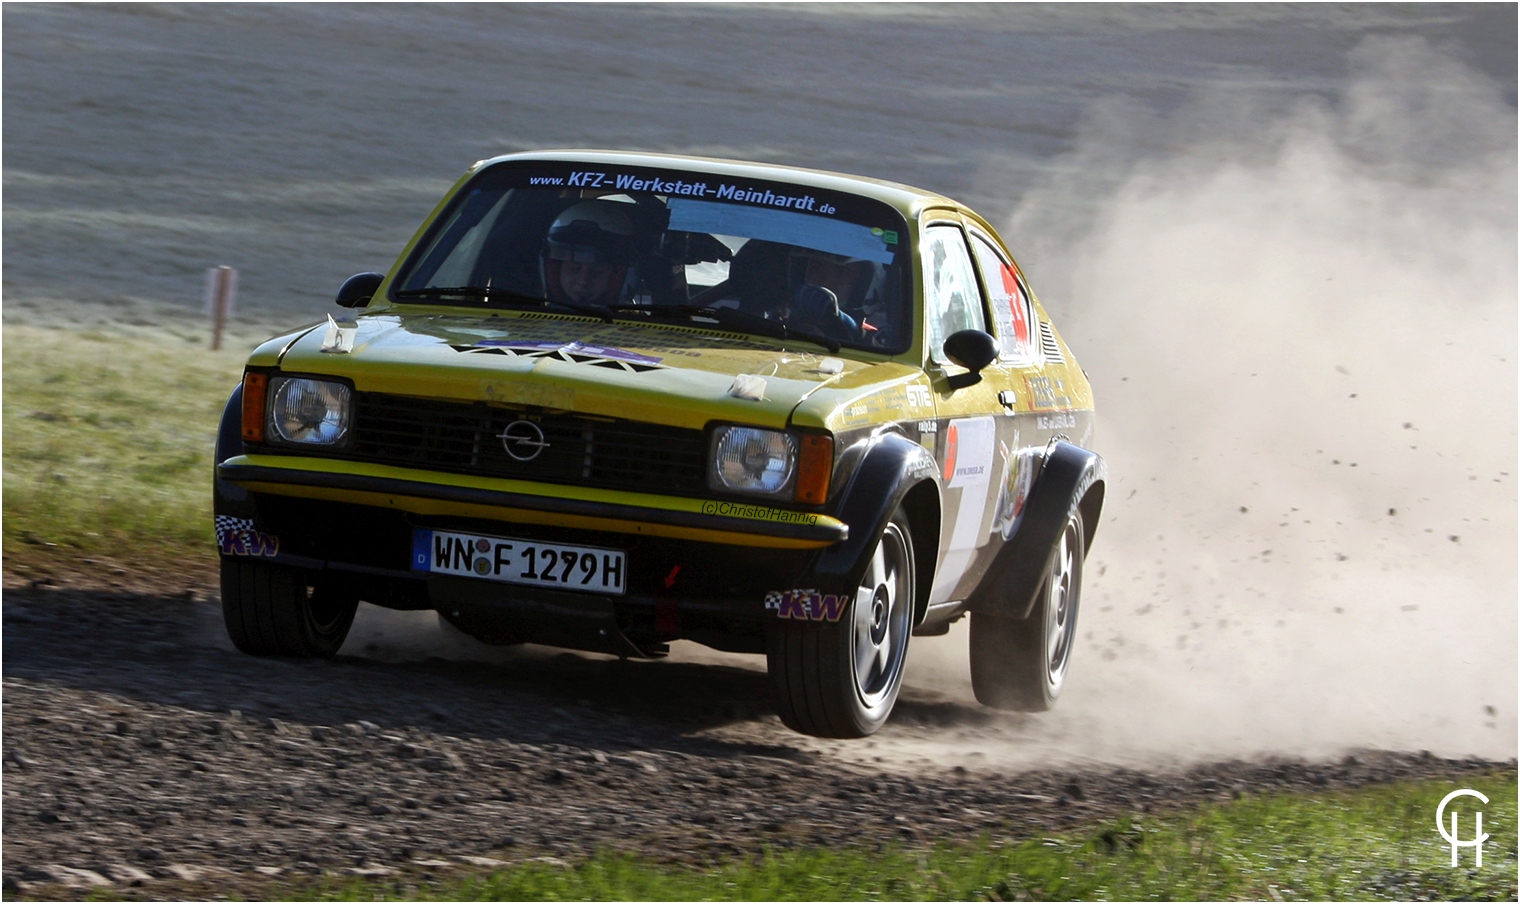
[[1071, 480], [892, 470], [229, 498]]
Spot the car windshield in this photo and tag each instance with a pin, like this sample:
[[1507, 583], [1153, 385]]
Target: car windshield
[[667, 243]]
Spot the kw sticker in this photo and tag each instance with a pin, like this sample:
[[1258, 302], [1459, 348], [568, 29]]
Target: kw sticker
[[237, 537], [807, 605]]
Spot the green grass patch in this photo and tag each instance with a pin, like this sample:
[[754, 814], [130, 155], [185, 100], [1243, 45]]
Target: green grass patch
[[1375, 843], [108, 442]]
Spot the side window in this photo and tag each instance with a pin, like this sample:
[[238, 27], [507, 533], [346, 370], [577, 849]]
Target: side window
[[952, 301], [1010, 307]]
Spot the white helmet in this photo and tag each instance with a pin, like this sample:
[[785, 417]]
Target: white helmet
[[591, 232]]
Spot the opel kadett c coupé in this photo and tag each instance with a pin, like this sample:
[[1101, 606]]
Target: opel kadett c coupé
[[606, 401]]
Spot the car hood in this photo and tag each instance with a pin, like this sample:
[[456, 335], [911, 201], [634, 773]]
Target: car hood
[[676, 375]]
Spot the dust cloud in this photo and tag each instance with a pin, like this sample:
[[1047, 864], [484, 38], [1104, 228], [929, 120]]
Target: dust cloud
[[1300, 323]]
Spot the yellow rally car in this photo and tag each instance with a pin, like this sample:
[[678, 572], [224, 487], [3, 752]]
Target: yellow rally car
[[605, 401]]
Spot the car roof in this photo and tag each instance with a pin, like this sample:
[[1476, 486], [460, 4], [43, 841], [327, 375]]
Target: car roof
[[905, 198]]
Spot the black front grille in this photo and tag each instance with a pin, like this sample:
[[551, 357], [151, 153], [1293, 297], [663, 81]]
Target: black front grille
[[466, 438]]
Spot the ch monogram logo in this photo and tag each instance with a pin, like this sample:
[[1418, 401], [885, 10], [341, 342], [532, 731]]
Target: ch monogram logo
[[1478, 835]]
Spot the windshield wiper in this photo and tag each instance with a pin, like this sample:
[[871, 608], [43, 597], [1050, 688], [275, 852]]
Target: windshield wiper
[[729, 318], [493, 293], [440, 291]]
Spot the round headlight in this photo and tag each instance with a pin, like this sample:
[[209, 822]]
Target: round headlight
[[751, 460], [309, 411]]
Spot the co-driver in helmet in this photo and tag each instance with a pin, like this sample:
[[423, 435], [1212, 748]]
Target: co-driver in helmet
[[589, 253]]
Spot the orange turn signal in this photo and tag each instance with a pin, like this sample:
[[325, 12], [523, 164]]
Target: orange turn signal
[[814, 467], [255, 386]]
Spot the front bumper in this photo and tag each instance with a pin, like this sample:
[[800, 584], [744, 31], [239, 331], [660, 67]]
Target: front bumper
[[694, 575], [522, 502]]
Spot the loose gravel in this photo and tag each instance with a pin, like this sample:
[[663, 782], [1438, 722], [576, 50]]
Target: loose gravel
[[144, 756]]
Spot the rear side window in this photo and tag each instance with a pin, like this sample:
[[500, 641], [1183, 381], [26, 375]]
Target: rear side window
[[951, 299], [1009, 301]]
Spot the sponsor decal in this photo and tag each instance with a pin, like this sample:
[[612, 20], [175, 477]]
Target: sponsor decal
[[758, 512], [968, 452], [694, 189], [239, 537], [923, 466], [919, 397], [1062, 421], [971, 444], [807, 605], [1041, 393], [1019, 468]]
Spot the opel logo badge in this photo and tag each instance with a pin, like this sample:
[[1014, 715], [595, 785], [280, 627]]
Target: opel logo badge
[[523, 440]]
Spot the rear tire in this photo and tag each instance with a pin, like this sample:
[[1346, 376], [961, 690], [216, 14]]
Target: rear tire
[[1020, 663], [276, 610], [841, 679]]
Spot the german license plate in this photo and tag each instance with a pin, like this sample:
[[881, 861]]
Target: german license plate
[[514, 561]]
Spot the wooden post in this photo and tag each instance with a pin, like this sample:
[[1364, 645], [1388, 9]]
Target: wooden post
[[221, 295]]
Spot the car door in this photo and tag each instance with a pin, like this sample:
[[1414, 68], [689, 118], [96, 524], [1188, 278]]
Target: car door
[[1015, 325], [969, 421], [1048, 394]]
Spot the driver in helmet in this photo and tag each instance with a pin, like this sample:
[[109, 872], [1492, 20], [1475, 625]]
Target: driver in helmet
[[846, 277], [832, 292], [588, 254]]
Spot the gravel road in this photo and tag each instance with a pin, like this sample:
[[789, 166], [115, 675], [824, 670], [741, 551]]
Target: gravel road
[[142, 753]]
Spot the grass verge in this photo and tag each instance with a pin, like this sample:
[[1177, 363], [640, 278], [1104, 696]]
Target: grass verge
[[1373, 843], [108, 442]]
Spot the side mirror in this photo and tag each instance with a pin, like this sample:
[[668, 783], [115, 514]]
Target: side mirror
[[358, 289], [973, 350]]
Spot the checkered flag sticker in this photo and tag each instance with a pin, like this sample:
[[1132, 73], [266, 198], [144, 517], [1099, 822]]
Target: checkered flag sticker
[[226, 525]]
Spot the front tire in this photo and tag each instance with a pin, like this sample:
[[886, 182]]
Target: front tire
[[841, 679], [1020, 663], [276, 610]]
